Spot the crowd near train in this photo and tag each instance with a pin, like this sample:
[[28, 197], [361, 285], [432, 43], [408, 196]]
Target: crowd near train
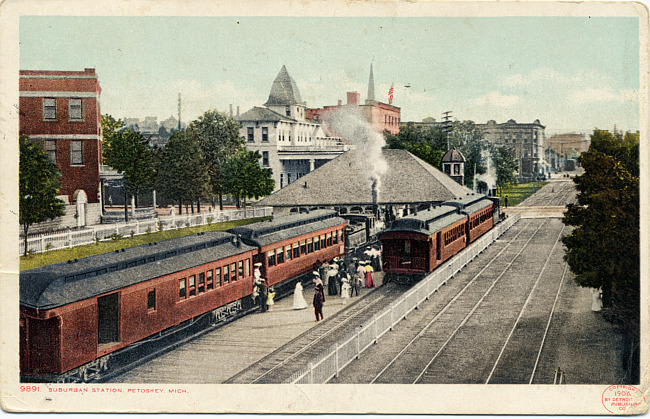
[[78, 313]]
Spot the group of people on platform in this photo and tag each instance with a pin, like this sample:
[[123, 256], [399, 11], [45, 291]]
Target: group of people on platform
[[340, 278]]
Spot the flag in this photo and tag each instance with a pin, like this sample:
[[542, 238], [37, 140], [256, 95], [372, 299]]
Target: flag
[[390, 94]]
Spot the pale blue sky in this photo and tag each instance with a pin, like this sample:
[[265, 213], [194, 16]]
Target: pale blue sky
[[573, 74]]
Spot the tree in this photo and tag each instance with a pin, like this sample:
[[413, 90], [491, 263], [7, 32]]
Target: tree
[[218, 137], [128, 153], [603, 248], [245, 178], [469, 139], [182, 174], [109, 126], [38, 187], [427, 143], [506, 166]]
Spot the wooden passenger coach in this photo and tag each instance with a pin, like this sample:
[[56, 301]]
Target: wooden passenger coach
[[75, 312]]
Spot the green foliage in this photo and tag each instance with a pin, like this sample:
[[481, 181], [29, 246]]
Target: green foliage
[[209, 220], [469, 139], [96, 238], [506, 166], [148, 230], [160, 225], [427, 143], [603, 248], [218, 137], [182, 174], [38, 187], [128, 152], [245, 178], [115, 236]]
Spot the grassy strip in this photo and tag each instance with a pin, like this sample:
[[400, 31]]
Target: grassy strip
[[517, 193], [78, 252]]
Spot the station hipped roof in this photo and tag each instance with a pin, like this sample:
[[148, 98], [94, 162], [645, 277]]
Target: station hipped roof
[[345, 180]]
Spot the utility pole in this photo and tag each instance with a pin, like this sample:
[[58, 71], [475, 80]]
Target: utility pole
[[446, 124], [179, 111]]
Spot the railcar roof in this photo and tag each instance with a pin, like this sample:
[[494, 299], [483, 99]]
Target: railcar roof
[[428, 221], [477, 206], [284, 228], [466, 200], [59, 284]]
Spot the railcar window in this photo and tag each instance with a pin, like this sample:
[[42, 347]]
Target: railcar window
[[329, 239], [288, 248], [113, 268], [303, 247], [182, 292], [341, 236], [151, 300], [170, 254], [240, 268], [233, 272], [217, 277], [406, 252], [323, 242], [279, 255], [209, 283], [201, 283], [226, 274], [247, 268], [191, 284], [335, 237], [296, 251], [310, 245], [271, 256]]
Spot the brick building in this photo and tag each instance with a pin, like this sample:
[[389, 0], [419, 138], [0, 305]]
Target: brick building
[[382, 117], [59, 110], [564, 148]]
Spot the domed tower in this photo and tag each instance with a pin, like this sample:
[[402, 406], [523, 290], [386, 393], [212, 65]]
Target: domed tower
[[285, 97], [453, 165]]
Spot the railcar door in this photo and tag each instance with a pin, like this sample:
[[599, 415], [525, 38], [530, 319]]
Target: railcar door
[[438, 247], [108, 318]]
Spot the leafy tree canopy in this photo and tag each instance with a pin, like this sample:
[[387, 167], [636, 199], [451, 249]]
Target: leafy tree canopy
[[470, 140], [506, 166], [426, 142], [245, 178], [603, 248], [38, 186]]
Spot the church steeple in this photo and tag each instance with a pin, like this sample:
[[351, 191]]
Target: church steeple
[[371, 86]]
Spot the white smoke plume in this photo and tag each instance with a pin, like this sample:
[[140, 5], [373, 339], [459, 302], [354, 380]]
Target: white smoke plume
[[490, 176], [349, 124]]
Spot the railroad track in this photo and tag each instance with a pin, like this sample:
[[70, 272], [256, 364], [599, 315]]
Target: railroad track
[[283, 362], [449, 340]]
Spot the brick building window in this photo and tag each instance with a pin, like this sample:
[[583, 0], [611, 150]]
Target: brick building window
[[76, 153], [75, 111], [50, 149], [265, 158], [251, 135], [265, 134], [49, 109]]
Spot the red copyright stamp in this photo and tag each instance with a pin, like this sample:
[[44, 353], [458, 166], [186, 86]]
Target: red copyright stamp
[[618, 399]]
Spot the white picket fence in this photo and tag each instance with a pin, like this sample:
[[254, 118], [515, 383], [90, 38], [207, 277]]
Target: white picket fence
[[39, 243], [331, 361]]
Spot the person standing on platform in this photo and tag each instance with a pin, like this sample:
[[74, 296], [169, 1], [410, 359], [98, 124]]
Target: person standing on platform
[[345, 287], [269, 299], [506, 201], [319, 299], [298, 300], [331, 280], [317, 279], [361, 270], [369, 282], [354, 281], [259, 290]]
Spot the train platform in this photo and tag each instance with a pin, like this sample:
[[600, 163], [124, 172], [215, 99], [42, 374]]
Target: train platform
[[236, 346]]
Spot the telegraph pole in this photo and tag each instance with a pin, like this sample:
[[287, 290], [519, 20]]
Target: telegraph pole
[[179, 111], [446, 124]]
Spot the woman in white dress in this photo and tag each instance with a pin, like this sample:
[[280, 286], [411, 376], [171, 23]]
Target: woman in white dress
[[298, 300], [345, 287]]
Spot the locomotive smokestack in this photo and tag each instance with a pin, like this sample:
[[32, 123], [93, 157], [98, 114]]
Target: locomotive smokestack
[[374, 192]]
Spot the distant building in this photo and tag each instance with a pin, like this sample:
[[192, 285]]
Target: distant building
[[59, 110], [526, 141], [561, 148], [382, 117], [289, 143]]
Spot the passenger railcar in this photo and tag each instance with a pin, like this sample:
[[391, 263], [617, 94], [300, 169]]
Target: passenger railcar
[[415, 245], [75, 312]]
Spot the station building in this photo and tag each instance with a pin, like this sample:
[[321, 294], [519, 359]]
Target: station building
[[290, 144], [59, 110], [408, 184]]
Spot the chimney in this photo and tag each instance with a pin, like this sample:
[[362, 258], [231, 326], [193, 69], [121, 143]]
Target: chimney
[[353, 98], [237, 110], [231, 110], [340, 102]]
